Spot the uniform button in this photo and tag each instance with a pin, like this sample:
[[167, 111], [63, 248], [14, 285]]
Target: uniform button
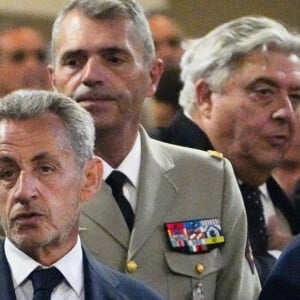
[[199, 268], [131, 266]]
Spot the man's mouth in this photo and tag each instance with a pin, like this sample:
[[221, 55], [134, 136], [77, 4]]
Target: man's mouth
[[27, 217], [278, 140]]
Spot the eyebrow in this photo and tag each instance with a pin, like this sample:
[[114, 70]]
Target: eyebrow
[[270, 82], [113, 49], [38, 157], [6, 159], [262, 80], [104, 50], [72, 53]]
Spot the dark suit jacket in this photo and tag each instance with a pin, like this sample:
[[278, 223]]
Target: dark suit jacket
[[282, 203], [284, 280], [184, 132], [101, 283]]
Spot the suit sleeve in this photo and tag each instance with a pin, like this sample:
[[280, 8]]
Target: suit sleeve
[[283, 281]]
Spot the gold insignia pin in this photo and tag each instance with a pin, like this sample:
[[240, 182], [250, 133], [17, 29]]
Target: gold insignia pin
[[215, 154]]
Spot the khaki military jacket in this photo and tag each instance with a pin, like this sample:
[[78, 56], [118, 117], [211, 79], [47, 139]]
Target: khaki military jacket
[[176, 184]]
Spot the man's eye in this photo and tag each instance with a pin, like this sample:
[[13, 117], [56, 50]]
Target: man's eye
[[45, 169], [174, 42], [7, 174], [41, 56], [71, 62], [295, 100], [18, 57], [265, 92], [115, 59]]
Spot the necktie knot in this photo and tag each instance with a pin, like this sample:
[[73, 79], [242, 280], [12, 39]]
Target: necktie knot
[[116, 181], [249, 190], [44, 281]]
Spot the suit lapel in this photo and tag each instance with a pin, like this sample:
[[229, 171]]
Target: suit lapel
[[99, 283], [104, 210], [282, 202], [6, 286], [156, 193]]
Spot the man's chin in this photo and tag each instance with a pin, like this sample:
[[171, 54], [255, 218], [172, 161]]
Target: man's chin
[[30, 241]]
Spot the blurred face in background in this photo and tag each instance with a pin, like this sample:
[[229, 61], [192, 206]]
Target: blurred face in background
[[22, 60], [167, 39]]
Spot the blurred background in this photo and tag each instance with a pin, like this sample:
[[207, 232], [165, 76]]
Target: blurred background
[[196, 17]]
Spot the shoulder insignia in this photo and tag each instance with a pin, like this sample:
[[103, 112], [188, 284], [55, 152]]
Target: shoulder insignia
[[195, 236], [215, 154]]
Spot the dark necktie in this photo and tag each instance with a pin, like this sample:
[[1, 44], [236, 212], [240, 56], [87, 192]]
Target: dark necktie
[[256, 221], [116, 180], [44, 281]]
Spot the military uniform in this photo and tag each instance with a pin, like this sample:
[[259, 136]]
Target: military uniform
[[175, 185]]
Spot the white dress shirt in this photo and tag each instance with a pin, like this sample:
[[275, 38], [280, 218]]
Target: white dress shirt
[[271, 211], [130, 166], [71, 266]]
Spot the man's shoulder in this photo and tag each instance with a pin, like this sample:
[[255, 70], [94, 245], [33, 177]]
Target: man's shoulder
[[293, 250], [180, 153]]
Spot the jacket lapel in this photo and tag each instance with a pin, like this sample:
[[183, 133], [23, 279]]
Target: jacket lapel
[[6, 285], [99, 282], [104, 210], [156, 194]]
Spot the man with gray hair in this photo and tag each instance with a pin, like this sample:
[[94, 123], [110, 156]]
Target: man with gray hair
[[241, 87], [47, 171], [169, 216]]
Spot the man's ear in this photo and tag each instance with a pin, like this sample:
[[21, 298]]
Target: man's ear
[[156, 70], [92, 178], [203, 98], [51, 76]]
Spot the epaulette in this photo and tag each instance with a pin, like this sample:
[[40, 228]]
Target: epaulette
[[215, 154]]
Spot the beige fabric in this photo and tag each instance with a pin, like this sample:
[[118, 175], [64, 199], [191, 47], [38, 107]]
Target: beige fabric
[[176, 184]]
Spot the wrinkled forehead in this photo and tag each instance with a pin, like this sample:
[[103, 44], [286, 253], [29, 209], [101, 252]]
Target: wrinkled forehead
[[80, 32], [276, 61]]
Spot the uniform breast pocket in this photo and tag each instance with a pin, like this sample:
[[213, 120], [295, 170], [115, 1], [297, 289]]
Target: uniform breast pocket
[[189, 272]]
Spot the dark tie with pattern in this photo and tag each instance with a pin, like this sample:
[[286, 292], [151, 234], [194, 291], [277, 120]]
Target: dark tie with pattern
[[44, 281], [116, 180], [256, 221]]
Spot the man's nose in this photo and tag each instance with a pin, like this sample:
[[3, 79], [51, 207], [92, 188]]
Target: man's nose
[[94, 72], [285, 110], [25, 187]]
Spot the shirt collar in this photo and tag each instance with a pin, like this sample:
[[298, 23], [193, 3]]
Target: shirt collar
[[130, 166], [264, 191], [21, 265]]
